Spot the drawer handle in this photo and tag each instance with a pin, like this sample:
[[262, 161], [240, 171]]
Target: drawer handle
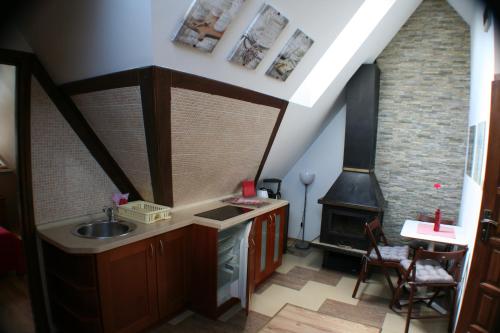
[[152, 250], [161, 247]]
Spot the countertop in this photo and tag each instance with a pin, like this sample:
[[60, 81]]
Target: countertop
[[59, 233]]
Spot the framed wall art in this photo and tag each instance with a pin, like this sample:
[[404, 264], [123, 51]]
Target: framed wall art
[[258, 38], [205, 22], [470, 150], [477, 173], [290, 56]]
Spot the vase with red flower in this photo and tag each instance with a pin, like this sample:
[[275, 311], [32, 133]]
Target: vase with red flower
[[437, 213]]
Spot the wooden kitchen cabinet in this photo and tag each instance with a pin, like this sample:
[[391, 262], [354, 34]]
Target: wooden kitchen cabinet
[[269, 239], [173, 271], [126, 289]]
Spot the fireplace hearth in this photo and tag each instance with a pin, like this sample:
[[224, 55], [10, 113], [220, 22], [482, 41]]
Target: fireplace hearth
[[355, 197], [345, 227]]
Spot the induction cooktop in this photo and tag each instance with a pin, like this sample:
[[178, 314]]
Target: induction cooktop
[[224, 212]]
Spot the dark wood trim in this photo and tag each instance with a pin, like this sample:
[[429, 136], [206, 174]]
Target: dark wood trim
[[155, 95], [156, 83], [285, 232], [204, 270], [480, 262], [277, 124], [84, 131], [122, 79], [22, 61], [199, 83]]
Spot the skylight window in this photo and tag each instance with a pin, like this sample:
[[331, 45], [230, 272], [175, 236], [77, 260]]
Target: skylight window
[[341, 51]]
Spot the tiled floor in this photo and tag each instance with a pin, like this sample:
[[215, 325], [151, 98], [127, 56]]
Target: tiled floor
[[302, 282]]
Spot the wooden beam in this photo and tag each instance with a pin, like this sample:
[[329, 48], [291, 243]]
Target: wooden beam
[[155, 95], [128, 78], [277, 124], [84, 131], [199, 83], [23, 61]]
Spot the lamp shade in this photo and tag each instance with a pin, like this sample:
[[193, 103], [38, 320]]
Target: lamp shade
[[307, 177]]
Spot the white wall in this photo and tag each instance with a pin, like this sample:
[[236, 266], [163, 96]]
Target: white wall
[[324, 158], [482, 74], [497, 46], [302, 125], [322, 21], [81, 39], [8, 114]]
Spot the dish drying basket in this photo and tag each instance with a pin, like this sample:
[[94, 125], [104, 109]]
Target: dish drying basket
[[143, 211]]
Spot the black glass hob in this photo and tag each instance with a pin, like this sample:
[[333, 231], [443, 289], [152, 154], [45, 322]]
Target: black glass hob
[[224, 212]]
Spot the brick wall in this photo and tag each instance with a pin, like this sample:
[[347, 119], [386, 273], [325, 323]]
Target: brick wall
[[423, 112]]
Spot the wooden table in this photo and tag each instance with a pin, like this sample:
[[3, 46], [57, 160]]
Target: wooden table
[[410, 231]]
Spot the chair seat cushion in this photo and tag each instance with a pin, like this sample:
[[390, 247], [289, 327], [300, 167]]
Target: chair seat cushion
[[428, 271], [391, 253]]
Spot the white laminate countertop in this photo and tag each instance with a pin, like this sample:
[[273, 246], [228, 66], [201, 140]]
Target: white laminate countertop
[[59, 233]]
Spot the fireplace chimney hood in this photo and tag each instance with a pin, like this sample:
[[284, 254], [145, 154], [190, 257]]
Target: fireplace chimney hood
[[357, 186]]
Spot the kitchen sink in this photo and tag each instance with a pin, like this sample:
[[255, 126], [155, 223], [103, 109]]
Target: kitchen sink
[[103, 229]]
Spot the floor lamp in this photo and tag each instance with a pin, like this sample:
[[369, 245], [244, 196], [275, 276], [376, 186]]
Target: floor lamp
[[306, 178]]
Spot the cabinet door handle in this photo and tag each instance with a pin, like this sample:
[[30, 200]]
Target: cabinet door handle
[[152, 250], [161, 247], [270, 218]]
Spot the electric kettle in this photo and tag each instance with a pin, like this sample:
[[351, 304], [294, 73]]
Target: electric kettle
[[270, 192]]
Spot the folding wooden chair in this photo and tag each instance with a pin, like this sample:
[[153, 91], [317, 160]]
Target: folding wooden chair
[[386, 257], [427, 269]]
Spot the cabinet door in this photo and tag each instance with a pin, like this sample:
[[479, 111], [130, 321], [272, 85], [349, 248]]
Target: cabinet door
[[252, 245], [173, 271], [262, 269], [277, 232], [127, 286]]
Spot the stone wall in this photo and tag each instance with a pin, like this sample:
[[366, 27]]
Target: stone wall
[[423, 112]]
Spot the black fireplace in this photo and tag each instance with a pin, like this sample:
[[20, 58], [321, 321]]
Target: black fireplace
[[355, 198]]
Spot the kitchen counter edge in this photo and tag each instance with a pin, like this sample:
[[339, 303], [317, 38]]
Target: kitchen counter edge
[[59, 234]]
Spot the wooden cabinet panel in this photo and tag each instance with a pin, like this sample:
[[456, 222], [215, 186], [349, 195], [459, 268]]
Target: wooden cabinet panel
[[127, 286], [73, 292], [262, 247], [251, 266], [277, 229], [204, 271], [173, 271], [269, 239]]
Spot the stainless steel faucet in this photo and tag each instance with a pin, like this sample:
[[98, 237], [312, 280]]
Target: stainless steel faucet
[[110, 213]]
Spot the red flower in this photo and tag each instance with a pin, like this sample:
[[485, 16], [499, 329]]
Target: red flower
[[437, 186]]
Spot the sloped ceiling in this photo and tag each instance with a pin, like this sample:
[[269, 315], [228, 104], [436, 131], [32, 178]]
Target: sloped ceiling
[[80, 39]]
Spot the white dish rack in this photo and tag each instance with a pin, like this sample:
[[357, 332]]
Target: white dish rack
[[144, 212]]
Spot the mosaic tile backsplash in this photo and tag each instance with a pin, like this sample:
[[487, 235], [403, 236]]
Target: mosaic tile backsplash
[[216, 143], [116, 117], [423, 114], [67, 180]]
